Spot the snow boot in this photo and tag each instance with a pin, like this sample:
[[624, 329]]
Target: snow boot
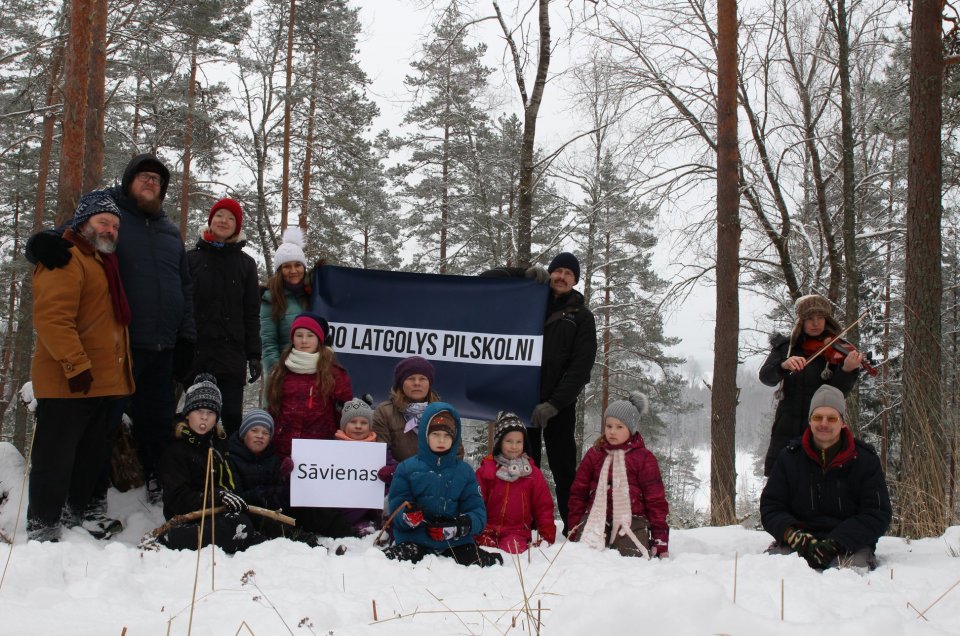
[[100, 526], [154, 490]]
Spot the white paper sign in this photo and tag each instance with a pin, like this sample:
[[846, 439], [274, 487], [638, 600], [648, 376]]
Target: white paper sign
[[337, 474]]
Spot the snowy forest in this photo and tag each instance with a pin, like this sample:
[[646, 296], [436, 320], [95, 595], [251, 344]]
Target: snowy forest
[[843, 175]]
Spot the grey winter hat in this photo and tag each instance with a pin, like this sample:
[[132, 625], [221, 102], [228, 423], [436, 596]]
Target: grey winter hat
[[828, 395], [355, 408], [256, 417], [628, 411], [203, 394]]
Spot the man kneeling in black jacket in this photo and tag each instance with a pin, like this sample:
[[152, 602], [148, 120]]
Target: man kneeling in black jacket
[[826, 498]]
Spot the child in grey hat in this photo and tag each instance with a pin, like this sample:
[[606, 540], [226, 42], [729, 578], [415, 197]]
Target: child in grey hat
[[632, 515]]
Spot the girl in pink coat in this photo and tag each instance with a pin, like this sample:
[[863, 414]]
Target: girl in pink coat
[[617, 498], [306, 387], [514, 491]]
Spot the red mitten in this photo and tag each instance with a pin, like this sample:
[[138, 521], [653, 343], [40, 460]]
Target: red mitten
[[286, 467], [413, 519], [549, 533]]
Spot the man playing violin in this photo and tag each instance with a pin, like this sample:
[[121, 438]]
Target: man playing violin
[[801, 364]]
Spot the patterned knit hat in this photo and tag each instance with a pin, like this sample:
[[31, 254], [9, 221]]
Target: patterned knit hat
[[203, 394], [91, 204], [442, 421], [256, 417], [312, 322], [291, 248], [628, 411], [568, 261], [233, 207], [414, 365], [355, 408], [831, 396], [506, 422]]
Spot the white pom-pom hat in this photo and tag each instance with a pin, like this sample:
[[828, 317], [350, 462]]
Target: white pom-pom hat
[[291, 248]]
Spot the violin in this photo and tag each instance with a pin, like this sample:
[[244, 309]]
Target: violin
[[838, 350]]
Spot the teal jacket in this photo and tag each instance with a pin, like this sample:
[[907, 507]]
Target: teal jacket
[[275, 336]]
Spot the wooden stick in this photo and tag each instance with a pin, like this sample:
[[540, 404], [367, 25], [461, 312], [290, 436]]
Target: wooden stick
[[23, 490], [203, 517], [940, 598], [374, 601], [781, 599], [386, 524], [213, 526], [196, 514], [736, 558]]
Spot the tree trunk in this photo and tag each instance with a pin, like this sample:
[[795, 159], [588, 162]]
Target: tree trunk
[[851, 265], [287, 99], [188, 138], [531, 108], [723, 401], [74, 111], [93, 144], [308, 151], [46, 143], [922, 498], [444, 192]]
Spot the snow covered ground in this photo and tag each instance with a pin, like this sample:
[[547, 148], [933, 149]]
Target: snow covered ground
[[82, 586]]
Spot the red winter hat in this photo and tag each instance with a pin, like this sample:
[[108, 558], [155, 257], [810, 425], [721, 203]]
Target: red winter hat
[[232, 206]]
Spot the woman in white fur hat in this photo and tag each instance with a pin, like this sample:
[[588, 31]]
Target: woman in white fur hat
[[285, 296]]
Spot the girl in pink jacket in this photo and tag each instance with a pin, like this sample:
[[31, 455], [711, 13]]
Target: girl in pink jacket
[[617, 498], [514, 491]]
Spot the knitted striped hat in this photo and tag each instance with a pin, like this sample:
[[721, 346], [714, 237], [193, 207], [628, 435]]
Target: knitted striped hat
[[355, 408], [506, 422], [256, 417], [203, 394]]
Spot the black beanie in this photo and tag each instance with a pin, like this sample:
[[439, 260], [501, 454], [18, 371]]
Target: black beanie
[[568, 261]]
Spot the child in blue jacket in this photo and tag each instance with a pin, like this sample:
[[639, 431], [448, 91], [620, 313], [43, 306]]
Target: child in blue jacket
[[446, 508]]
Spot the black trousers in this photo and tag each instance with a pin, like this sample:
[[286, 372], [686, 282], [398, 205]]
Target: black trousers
[[231, 390], [153, 406], [232, 533], [561, 454], [67, 456]]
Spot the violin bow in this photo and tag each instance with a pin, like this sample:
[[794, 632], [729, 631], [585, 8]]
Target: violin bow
[[838, 336]]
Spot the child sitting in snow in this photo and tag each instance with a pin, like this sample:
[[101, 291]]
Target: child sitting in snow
[[184, 473], [355, 426], [514, 491], [445, 506], [619, 488]]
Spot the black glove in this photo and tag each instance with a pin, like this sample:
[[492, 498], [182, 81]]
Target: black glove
[[542, 414], [182, 358], [231, 501], [449, 528], [49, 249], [256, 369], [81, 383], [822, 553], [799, 540]]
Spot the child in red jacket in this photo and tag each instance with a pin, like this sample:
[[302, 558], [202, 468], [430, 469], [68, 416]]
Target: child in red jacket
[[307, 387], [631, 508], [514, 491]]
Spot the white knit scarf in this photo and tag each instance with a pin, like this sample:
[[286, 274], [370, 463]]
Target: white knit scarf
[[302, 362], [595, 529]]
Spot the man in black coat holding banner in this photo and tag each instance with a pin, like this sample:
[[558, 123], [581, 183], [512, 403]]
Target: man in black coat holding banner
[[569, 350]]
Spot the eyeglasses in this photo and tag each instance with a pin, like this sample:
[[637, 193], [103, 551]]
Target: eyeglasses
[[148, 177], [831, 419]]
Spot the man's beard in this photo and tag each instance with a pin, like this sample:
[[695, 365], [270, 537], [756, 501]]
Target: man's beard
[[150, 206], [104, 243]]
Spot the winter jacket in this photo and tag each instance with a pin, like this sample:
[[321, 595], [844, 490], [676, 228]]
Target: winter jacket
[[513, 506], [155, 272], [304, 414], [275, 336], [226, 305], [569, 344], [77, 329], [647, 496], [388, 424], [257, 477], [793, 408], [183, 469], [846, 501], [441, 486]]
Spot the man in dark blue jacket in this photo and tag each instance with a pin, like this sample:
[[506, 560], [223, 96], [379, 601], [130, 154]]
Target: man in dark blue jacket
[[156, 279], [826, 498]]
